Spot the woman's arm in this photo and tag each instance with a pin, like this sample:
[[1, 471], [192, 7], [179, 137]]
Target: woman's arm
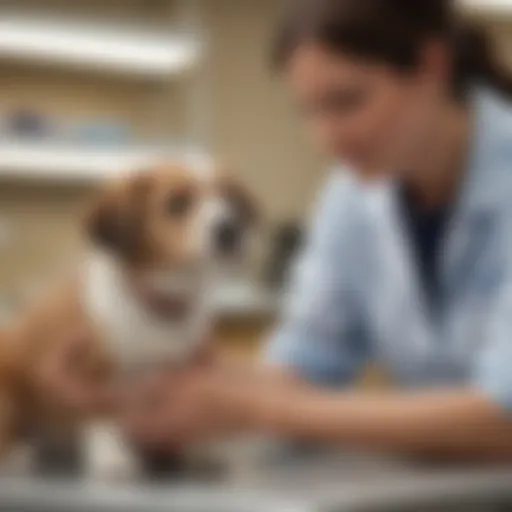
[[212, 402], [449, 423], [443, 423]]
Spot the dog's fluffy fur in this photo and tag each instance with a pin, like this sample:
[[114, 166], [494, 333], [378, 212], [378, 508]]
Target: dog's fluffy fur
[[141, 298]]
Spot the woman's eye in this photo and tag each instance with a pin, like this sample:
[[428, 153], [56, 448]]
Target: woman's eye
[[179, 205]]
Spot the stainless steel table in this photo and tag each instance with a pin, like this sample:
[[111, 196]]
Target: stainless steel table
[[317, 482]]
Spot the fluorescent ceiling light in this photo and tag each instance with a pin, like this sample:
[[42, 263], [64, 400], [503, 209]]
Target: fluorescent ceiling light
[[95, 46]]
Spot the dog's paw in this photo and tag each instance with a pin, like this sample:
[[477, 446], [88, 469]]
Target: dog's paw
[[115, 466], [108, 458]]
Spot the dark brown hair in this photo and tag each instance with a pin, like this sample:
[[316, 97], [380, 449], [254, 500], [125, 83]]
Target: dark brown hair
[[393, 31]]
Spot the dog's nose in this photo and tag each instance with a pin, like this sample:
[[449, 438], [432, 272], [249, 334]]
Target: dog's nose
[[227, 236]]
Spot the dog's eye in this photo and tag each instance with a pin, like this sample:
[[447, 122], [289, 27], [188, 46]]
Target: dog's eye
[[180, 204]]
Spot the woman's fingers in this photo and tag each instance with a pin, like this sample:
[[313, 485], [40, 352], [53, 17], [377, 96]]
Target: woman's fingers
[[175, 410], [149, 405]]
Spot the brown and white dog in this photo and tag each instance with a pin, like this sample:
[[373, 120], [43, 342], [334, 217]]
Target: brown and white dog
[[143, 298]]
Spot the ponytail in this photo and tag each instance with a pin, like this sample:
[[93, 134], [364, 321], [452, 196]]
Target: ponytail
[[476, 59]]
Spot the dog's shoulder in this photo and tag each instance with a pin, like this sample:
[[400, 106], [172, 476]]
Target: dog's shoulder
[[46, 319]]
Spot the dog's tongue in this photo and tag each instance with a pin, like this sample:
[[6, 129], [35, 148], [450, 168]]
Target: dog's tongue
[[167, 306], [164, 297]]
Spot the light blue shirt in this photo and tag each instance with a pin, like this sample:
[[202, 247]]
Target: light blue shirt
[[356, 296]]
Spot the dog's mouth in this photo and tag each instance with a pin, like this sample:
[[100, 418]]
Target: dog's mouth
[[165, 304]]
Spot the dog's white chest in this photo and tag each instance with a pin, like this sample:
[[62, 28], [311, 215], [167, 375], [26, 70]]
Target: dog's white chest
[[136, 341], [134, 337]]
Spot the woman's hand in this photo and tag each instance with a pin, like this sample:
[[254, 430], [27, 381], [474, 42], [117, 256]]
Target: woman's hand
[[173, 410]]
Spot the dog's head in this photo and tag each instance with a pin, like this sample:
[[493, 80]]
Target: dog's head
[[170, 218]]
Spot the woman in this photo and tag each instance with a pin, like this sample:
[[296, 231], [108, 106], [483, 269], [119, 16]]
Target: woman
[[409, 261]]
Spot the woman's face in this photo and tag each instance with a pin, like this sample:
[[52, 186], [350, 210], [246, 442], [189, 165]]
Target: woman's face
[[370, 116]]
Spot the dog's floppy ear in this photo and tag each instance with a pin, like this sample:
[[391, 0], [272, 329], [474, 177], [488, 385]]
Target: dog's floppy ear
[[116, 218], [241, 199]]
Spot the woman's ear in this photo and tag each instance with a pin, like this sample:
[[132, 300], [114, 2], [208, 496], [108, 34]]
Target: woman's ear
[[115, 219]]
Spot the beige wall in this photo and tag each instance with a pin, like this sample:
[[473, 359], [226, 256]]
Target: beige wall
[[502, 32], [253, 122], [39, 236]]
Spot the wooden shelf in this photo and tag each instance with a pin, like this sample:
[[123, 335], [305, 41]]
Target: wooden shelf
[[105, 48], [42, 162]]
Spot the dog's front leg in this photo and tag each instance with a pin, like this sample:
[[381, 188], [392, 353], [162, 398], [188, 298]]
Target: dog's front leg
[[107, 454]]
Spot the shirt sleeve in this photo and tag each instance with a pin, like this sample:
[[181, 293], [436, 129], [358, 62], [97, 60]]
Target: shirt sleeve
[[321, 337], [493, 365], [493, 368]]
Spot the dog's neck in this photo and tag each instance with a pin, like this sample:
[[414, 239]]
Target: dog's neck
[[159, 318], [164, 300]]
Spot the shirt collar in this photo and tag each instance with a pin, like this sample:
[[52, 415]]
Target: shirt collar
[[488, 178]]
